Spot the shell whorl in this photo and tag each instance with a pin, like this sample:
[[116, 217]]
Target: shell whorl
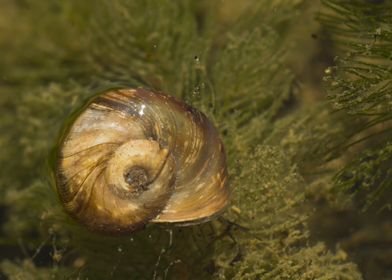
[[135, 156]]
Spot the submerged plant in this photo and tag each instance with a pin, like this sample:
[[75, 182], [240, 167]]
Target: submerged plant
[[301, 152]]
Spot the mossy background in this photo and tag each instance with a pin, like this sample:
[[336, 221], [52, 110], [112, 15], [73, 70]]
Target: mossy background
[[300, 91]]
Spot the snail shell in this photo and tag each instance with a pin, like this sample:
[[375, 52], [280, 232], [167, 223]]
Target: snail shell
[[135, 156]]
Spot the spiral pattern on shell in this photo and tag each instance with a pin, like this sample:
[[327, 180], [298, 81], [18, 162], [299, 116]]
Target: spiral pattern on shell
[[135, 156]]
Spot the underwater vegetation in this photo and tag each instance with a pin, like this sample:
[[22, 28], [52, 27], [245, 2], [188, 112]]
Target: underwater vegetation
[[300, 93]]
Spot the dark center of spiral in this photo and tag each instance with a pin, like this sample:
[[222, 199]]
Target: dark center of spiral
[[137, 178]]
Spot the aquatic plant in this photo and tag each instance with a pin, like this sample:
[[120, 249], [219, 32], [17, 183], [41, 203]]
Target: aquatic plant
[[303, 106]]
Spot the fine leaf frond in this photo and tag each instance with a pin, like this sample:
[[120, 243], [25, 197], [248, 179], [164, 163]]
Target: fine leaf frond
[[359, 84]]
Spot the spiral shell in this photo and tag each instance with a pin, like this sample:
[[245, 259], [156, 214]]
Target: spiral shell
[[135, 156]]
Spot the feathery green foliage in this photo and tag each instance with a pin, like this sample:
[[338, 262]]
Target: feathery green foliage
[[272, 242], [229, 60], [360, 85]]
